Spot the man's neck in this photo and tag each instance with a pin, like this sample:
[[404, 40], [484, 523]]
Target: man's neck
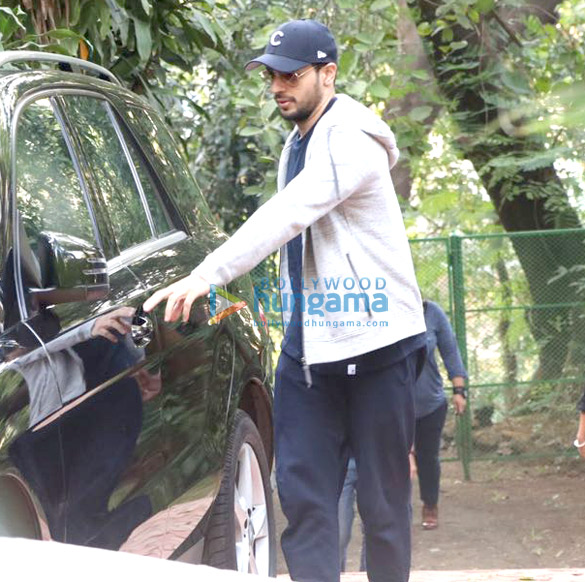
[[306, 125]]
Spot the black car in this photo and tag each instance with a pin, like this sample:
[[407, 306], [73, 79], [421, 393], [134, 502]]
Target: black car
[[118, 430]]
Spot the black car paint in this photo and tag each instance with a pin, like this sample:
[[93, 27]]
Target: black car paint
[[132, 459]]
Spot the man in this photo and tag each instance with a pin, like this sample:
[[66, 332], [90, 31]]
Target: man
[[346, 374]]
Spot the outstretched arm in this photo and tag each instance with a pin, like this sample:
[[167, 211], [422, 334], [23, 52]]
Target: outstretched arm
[[321, 185]]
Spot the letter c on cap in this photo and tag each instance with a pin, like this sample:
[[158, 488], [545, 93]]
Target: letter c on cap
[[275, 38]]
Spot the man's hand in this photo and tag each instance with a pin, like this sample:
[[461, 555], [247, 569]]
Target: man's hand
[[459, 403], [117, 320], [180, 297]]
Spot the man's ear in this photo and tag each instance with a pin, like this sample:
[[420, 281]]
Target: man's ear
[[329, 74]]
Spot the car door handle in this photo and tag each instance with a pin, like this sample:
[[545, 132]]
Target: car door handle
[[142, 329]]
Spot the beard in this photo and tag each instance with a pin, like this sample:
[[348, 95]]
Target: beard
[[306, 107]]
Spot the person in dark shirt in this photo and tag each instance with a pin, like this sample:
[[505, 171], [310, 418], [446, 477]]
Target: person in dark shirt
[[430, 404]]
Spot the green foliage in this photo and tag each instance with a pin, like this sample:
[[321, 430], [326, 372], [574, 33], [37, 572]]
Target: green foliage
[[133, 38], [447, 194]]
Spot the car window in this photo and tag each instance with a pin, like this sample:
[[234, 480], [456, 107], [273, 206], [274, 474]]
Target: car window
[[164, 154], [110, 164], [159, 214], [48, 189]]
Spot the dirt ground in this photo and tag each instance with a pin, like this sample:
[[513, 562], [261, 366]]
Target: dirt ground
[[510, 515]]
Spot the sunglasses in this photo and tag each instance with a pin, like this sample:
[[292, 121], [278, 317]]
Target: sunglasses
[[291, 79]]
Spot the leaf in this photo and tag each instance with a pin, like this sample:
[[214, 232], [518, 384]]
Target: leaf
[[455, 46], [348, 62], [253, 191], [55, 48], [362, 48], [250, 130], [146, 7], [424, 29], [379, 89], [516, 81], [120, 22], [244, 102], [473, 15], [420, 113], [205, 25], [105, 19], [143, 39], [364, 38], [62, 33], [70, 45], [74, 13], [484, 6], [9, 22], [357, 88], [261, 37], [543, 85], [380, 5], [271, 138], [268, 108], [447, 35]]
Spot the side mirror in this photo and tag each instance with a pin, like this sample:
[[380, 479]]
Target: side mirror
[[71, 269]]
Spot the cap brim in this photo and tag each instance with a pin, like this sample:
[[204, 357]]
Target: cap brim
[[276, 62]]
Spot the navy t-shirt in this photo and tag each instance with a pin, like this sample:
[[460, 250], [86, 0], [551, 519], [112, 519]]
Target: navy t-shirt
[[292, 344]]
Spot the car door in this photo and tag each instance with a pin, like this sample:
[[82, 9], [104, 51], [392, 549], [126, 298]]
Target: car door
[[93, 462], [226, 349], [129, 194], [199, 358]]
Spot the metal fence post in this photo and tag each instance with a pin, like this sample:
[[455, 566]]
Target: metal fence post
[[463, 423]]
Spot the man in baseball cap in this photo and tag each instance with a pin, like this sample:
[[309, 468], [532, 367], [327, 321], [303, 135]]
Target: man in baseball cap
[[346, 374], [295, 45]]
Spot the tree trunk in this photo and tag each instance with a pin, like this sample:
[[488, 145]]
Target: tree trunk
[[524, 200]]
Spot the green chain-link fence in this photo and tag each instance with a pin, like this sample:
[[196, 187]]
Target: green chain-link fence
[[517, 306]]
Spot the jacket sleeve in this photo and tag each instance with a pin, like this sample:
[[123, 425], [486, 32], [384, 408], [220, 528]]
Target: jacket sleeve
[[447, 344], [340, 164]]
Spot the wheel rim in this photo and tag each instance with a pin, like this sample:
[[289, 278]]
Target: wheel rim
[[251, 517]]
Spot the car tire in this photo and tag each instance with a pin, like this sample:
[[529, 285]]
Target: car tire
[[241, 530]]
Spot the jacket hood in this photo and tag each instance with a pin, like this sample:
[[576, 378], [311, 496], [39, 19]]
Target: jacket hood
[[348, 110]]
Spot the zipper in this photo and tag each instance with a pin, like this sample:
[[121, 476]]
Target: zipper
[[280, 292], [307, 372], [358, 282]]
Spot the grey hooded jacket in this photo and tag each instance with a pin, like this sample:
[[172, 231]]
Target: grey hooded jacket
[[360, 291]]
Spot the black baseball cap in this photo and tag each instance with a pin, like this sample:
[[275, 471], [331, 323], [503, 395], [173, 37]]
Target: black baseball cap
[[295, 45]]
